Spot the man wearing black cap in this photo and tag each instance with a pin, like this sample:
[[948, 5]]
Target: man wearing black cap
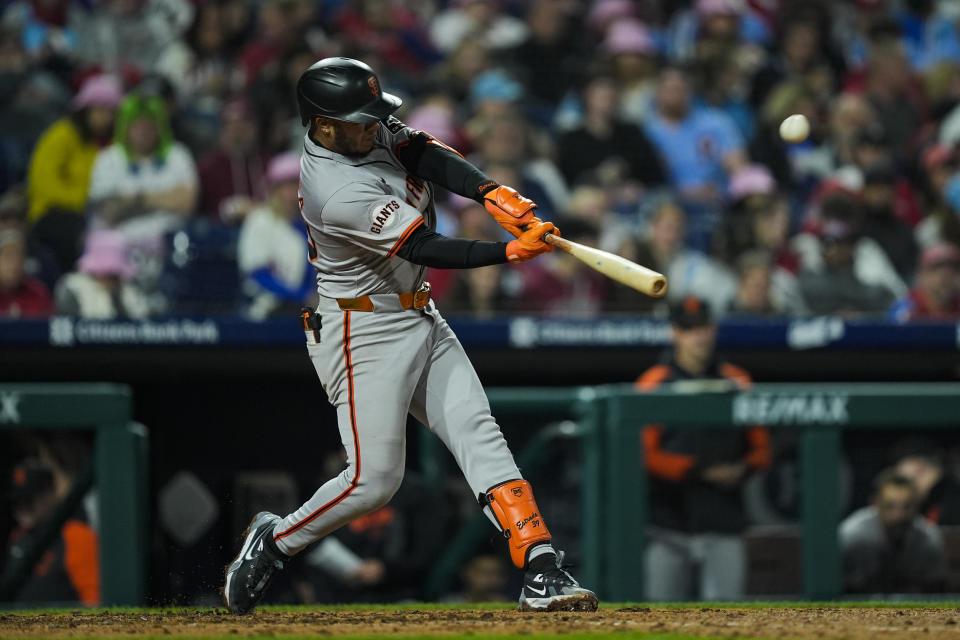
[[881, 221], [696, 474]]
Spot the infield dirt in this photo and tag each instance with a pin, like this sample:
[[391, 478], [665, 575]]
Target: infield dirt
[[806, 622]]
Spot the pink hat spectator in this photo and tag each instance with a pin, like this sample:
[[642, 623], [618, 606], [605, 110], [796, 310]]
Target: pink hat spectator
[[435, 120], [754, 179], [939, 254], [105, 254], [604, 12], [707, 8], [99, 91], [628, 36], [284, 167]]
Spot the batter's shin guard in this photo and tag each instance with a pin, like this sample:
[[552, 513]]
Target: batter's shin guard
[[518, 516]]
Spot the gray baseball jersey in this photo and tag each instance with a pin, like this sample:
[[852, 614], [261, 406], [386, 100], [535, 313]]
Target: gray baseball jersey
[[359, 211], [376, 367]]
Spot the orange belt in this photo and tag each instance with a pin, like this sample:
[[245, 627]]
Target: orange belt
[[416, 300]]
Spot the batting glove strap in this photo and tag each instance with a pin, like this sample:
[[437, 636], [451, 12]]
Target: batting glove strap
[[509, 208]]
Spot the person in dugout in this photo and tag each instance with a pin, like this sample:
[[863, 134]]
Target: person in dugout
[[694, 549], [69, 571]]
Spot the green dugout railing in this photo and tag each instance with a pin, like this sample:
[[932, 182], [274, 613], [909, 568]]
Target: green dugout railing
[[820, 411], [120, 469], [614, 492]]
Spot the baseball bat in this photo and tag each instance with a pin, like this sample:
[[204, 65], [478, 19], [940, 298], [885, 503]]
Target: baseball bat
[[620, 269]]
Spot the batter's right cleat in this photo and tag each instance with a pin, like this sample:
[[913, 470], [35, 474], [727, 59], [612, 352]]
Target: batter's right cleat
[[249, 575], [554, 589]]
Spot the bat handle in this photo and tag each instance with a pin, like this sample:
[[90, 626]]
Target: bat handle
[[556, 241]]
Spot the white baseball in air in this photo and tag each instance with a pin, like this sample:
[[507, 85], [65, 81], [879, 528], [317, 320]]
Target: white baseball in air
[[795, 128]]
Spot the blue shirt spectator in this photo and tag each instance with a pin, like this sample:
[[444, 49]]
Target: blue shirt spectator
[[929, 40], [700, 146]]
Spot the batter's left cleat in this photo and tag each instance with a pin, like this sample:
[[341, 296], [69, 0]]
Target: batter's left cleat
[[249, 575], [554, 589]]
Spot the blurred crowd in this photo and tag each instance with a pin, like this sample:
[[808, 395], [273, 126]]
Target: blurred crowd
[[148, 149]]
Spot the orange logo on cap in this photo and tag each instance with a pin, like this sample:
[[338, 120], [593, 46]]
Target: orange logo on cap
[[374, 85], [691, 305]]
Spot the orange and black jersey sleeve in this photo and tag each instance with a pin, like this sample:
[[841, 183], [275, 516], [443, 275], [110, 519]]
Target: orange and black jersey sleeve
[[81, 560], [366, 216], [670, 466], [673, 467], [676, 466], [759, 450]]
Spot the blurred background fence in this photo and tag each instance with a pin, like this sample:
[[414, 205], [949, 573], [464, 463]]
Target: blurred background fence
[[591, 434]]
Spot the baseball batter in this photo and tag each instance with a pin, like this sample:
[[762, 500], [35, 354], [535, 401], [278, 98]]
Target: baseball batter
[[378, 343]]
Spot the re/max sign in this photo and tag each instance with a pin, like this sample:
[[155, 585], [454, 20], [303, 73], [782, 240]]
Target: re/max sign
[[799, 409]]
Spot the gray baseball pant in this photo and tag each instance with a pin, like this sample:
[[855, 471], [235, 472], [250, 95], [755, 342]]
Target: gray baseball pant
[[693, 566], [376, 367]]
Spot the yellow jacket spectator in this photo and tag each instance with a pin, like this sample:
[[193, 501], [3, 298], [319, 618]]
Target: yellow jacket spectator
[[58, 181]]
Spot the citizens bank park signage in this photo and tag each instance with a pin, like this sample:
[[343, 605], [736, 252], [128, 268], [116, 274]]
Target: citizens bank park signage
[[518, 332], [67, 332], [790, 408]]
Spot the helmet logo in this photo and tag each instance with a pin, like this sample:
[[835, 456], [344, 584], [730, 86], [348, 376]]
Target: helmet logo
[[374, 86]]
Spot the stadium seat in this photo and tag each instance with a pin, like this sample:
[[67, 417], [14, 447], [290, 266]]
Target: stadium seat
[[200, 274]]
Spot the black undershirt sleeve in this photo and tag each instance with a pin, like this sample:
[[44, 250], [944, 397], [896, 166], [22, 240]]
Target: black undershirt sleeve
[[430, 249], [425, 158]]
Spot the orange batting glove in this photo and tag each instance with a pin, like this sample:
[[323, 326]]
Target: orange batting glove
[[517, 230], [530, 244], [510, 209]]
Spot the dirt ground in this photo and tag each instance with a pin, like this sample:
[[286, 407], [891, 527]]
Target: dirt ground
[[848, 623]]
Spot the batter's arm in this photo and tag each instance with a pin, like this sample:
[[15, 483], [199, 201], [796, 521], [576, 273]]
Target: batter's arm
[[431, 249], [428, 158]]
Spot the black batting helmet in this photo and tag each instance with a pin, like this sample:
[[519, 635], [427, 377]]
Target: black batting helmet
[[343, 89]]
